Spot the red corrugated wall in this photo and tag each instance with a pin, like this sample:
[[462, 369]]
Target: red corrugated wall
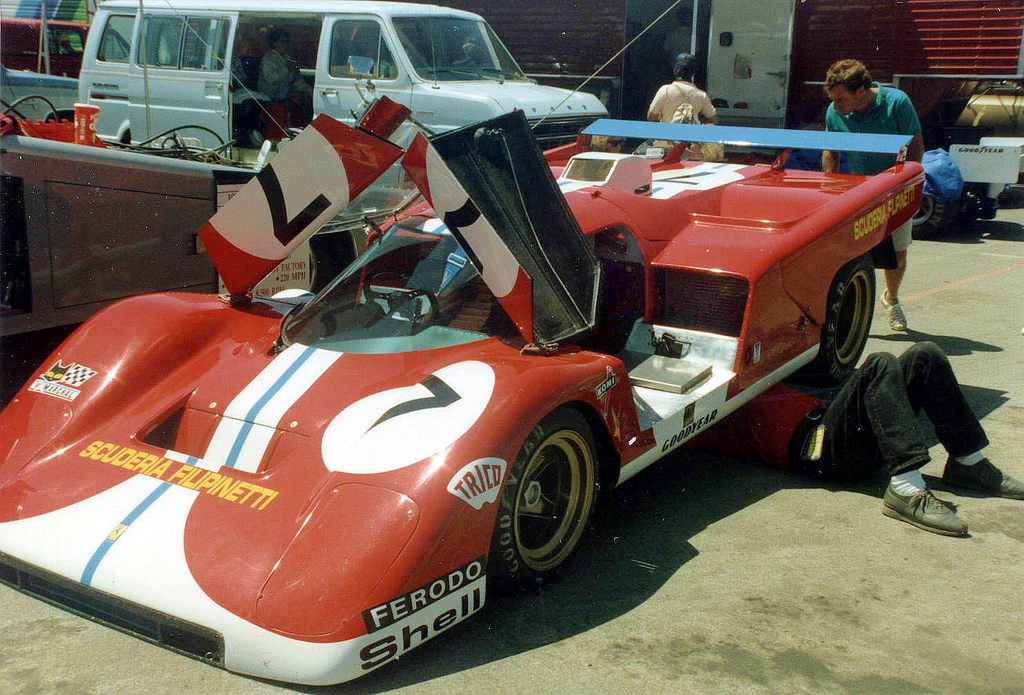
[[555, 36], [908, 36]]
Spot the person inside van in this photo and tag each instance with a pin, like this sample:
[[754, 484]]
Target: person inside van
[[471, 56], [280, 79], [245, 94]]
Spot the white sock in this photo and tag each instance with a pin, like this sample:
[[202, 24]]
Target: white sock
[[970, 459], [908, 483]]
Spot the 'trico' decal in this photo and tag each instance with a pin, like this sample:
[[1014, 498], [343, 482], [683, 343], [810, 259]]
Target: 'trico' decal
[[479, 482]]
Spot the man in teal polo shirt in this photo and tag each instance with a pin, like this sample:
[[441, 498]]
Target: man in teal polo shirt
[[860, 105]]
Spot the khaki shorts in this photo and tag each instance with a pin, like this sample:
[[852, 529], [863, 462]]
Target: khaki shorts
[[901, 237]]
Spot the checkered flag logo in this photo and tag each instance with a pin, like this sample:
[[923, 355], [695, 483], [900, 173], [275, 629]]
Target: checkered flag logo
[[73, 374], [76, 375]]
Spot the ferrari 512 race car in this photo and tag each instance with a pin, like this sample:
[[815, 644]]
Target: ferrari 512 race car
[[305, 488]]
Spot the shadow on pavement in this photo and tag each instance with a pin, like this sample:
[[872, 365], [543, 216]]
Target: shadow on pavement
[[639, 539], [953, 345], [978, 232], [998, 230]]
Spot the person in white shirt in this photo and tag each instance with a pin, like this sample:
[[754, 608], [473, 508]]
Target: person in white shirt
[[671, 96]]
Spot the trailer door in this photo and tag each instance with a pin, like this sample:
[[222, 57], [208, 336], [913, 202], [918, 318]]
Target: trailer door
[[748, 61]]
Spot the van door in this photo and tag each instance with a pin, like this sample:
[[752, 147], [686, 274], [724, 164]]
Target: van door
[[357, 63], [748, 61], [182, 76], [106, 71]]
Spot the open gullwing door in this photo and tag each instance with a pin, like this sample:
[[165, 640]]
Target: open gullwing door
[[490, 185], [314, 177]]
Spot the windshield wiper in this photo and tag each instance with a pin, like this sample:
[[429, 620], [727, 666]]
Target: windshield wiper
[[471, 72]]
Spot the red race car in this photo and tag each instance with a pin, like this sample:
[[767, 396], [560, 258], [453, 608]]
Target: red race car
[[305, 488]]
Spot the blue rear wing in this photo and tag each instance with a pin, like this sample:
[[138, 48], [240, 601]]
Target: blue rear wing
[[750, 137]]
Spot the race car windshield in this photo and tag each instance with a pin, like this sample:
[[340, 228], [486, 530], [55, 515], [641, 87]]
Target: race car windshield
[[412, 290]]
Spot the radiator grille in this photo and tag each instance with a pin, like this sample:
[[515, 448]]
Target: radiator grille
[[703, 302], [558, 130], [169, 632]]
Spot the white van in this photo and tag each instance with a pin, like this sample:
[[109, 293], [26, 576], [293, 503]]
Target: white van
[[195, 63]]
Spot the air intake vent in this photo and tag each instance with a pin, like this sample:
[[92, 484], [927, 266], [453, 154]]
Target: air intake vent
[[174, 634], [703, 302]]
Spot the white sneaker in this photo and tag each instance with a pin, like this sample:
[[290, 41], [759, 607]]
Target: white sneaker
[[894, 312]]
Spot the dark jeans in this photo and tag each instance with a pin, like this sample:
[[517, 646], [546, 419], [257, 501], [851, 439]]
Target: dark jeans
[[872, 423]]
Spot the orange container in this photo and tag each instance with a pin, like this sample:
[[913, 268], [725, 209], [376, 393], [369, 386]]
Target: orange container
[[85, 124]]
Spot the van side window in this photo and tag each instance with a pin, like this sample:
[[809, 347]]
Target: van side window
[[162, 42], [205, 43], [116, 40], [359, 50]]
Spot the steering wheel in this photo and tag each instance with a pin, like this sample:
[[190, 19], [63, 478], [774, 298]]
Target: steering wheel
[[390, 279], [432, 310]]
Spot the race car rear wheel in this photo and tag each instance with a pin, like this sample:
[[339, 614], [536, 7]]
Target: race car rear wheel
[[547, 500], [851, 300]]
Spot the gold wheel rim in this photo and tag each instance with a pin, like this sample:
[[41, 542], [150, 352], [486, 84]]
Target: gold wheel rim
[[553, 503]]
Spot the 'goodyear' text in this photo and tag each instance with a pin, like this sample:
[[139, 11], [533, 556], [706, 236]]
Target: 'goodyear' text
[[689, 430]]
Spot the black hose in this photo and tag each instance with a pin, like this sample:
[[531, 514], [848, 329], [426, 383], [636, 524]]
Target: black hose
[[182, 127], [14, 107]]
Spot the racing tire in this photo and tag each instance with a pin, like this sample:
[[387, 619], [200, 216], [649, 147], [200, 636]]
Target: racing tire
[[546, 503], [848, 313], [933, 217]]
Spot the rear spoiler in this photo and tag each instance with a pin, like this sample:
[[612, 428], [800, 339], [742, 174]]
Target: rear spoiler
[[751, 137]]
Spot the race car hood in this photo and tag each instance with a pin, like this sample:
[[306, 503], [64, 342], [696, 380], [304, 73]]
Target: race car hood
[[490, 185], [213, 500]]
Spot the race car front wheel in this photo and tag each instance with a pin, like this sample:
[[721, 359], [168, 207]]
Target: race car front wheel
[[851, 300], [547, 501]]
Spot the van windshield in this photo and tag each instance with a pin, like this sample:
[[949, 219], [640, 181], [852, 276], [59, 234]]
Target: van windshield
[[453, 48]]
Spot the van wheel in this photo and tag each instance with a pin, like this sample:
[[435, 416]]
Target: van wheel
[[546, 503], [933, 217], [851, 301]]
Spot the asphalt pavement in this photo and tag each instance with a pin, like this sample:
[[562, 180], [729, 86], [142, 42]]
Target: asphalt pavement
[[708, 574]]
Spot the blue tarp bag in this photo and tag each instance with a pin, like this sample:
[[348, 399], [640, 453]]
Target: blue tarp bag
[[810, 160], [942, 179]]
